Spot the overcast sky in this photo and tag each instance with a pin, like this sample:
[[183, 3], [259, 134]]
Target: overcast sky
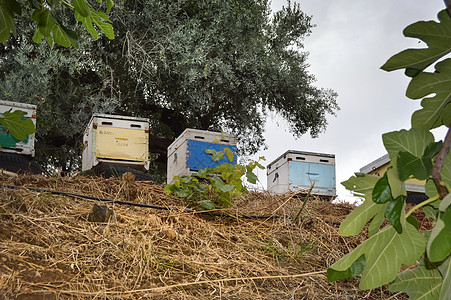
[[350, 42]]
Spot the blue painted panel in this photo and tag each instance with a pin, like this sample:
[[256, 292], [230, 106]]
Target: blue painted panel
[[196, 158], [304, 174]]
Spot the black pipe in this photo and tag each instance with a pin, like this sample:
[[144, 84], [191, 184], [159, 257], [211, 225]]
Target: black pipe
[[185, 210]]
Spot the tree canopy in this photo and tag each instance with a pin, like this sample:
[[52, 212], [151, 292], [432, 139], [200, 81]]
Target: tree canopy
[[213, 65]]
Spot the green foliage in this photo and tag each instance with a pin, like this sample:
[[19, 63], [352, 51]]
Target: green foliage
[[17, 125], [215, 187], [384, 254], [435, 35], [66, 85], [44, 15], [439, 245], [412, 154], [220, 65], [369, 210], [48, 25], [419, 283]]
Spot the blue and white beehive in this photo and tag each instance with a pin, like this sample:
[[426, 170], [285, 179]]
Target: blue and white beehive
[[298, 170], [186, 155]]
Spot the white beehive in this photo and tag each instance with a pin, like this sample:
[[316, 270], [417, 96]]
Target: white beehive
[[298, 170], [7, 141], [118, 140], [186, 155]]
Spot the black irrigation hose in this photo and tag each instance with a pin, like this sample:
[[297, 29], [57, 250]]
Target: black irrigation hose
[[186, 210]]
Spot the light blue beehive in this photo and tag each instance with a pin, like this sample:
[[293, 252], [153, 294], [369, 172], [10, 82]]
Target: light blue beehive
[[298, 170]]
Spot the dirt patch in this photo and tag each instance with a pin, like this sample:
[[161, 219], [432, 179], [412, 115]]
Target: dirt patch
[[49, 249]]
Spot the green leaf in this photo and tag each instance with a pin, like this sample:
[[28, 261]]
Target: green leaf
[[218, 183], [432, 149], [445, 270], [17, 125], [431, 210], [369, 210], [355, 269], [169, 188], [105, 25], [436, 35], [418, 283], [216, 155], [381, 191], [251, 177], [200, 188], [64, 36], [384, 252], [229, 154], [376, 223], [430, 188], [87, 23], [445, 203], [82, 7], [436, 111], [394, 212], [411, 72], [12, 6], [412, 220], [207, 204], [439, 244], [37, 37], [7, 11], [396, 185], [52, 30], [225, 200], [361, 185], [413, 141], [419, 167], [357, 219], [109, 5], [183, 193]]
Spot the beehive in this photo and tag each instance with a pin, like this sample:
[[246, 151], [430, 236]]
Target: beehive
[[298, 170], [116, 140], [415, 188], [186, 155], [7, 142]]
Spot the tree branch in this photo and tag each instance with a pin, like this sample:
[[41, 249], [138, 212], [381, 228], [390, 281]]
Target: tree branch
[[439, 161]]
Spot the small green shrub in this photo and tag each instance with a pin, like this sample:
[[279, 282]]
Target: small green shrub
[[216, 187]]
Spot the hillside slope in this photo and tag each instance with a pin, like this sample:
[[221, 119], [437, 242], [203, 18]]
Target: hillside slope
[[50, 250]]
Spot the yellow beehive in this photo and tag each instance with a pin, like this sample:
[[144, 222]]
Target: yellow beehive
[[116, 139], [414, 187]]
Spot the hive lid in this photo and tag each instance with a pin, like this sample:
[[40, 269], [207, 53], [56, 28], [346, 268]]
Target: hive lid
[[297, 152]]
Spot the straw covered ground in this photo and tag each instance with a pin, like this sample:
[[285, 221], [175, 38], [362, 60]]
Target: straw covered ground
[[51, 249]]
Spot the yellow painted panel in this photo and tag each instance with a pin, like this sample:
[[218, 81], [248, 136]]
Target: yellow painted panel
[[382, 169], [120, 143]]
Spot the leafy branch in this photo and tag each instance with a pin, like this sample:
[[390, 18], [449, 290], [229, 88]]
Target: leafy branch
[[48, 25], [413, 155], [210, 188]]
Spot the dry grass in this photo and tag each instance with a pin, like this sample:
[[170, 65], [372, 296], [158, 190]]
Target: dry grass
[[49, 250]]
